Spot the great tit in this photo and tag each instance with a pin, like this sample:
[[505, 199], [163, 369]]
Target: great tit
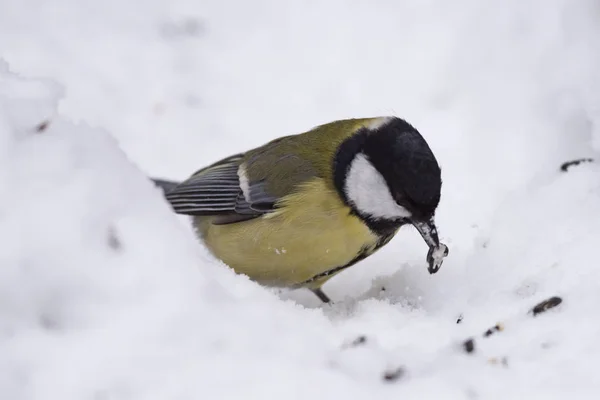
[[302, 208]]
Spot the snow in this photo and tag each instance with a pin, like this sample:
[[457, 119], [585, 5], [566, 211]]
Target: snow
[[105, 294]]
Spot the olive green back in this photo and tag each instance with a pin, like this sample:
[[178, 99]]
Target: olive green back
[[286, 162]]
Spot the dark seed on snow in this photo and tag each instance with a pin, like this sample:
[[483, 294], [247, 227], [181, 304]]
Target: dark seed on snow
[[565, 166], [359, 340], [546, 305], [469, 345], [42, 126], [393, 375], [492, 330]]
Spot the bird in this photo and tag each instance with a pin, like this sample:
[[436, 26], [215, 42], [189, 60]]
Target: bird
[[302, 208]]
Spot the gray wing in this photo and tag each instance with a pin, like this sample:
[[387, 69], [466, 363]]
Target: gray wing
[[215, 190], [241, 187]]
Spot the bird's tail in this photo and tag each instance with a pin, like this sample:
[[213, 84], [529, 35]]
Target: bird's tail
[[165, 185]]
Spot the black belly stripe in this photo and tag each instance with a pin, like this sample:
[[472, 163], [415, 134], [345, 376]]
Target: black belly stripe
[[327, 273], [362, 254]]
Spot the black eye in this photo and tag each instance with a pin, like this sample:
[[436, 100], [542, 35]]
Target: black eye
[[403, 200]]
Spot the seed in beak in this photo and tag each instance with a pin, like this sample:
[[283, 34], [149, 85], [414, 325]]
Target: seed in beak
[[437, 251]]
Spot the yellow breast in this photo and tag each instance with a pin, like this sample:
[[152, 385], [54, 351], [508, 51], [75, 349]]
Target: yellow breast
[[311, 232]]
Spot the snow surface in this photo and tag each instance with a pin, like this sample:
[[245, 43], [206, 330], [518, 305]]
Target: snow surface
[[106, 295]]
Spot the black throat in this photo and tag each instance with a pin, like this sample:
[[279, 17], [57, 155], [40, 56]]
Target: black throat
[[341, 165]]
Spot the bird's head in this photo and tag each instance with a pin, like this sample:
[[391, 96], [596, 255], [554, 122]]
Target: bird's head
[[388, 175]]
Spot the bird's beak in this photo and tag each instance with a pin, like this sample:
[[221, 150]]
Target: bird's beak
[[437, 251]]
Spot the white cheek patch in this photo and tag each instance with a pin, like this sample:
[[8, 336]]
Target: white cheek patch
[[368, 192]]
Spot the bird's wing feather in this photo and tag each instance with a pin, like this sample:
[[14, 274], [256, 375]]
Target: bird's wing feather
[[242, 186], [211, 191]]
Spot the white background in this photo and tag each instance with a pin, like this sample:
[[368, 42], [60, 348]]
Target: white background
[[105, 294]]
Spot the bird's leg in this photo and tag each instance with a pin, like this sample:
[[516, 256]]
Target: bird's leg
[[322, 296]]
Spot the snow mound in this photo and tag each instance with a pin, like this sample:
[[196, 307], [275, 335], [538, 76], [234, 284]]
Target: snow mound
[[103, 293]]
